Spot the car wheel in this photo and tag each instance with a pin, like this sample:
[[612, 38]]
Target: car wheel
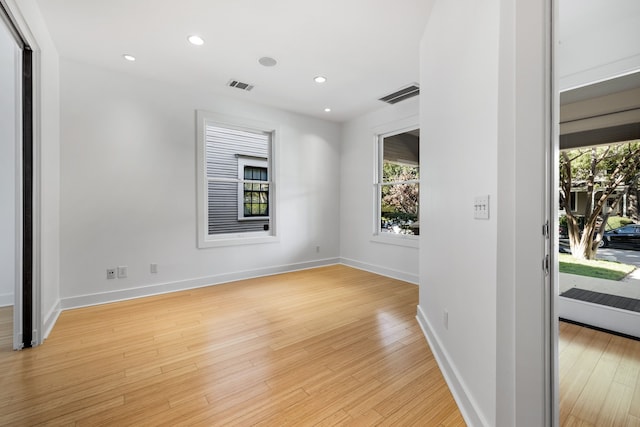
[[603, 243]]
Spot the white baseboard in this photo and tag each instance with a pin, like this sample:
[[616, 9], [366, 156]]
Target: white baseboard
[[383, 271], [469, 409], [163, 288], [50, 320], [6, 300]]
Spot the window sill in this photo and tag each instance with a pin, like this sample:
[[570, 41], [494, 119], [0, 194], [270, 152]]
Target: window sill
[[397, 240], [235, 240]]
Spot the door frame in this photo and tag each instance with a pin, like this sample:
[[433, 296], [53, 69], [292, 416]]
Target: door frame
[[27, 313]]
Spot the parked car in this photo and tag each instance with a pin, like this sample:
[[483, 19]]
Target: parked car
[[625, 237]]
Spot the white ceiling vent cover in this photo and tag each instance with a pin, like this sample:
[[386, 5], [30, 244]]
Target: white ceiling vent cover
[[240, 85], [402, 94]]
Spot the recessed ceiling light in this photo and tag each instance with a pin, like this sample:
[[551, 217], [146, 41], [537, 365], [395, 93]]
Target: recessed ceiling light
[[129, 57], [320, 79], [327, 110], [267, 61], [195, 40]]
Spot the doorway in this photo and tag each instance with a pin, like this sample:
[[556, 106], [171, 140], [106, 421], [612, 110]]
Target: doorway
[[599, 205], [16, 187], [597, 94]]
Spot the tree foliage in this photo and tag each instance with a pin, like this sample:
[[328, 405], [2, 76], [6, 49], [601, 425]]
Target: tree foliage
[[602, 170], [401, 198]]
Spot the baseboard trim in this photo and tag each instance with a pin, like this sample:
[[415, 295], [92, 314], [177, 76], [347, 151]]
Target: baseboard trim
[[6, 300], [383, 271], [458, 389], [50, 320], [182, 285]]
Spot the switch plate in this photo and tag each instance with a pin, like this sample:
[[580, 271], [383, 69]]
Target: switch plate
[[153, 268], [122, 271], [481, 207], [445, 318]]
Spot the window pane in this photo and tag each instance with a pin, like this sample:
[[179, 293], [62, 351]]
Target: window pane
[[254, 173], [256, 200], [401, 157], [223, 210], [224, 149], [399, 209], [233, 155], [256, 196]]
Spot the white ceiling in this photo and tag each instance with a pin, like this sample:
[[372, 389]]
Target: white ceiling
[[365, 48]]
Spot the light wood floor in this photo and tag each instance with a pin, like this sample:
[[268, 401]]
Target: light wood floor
[[329, 346], [599, 378]]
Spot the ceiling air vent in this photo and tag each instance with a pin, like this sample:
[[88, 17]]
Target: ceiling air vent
[[402, 94], [240, 85]]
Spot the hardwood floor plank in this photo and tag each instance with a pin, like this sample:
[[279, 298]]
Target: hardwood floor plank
[[299, 349], [632, 421], [615, 407], [593, 395], [635, 400], [573, 421], [599, 376], [328, 346]]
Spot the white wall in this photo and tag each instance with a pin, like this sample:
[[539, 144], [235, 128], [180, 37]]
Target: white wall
[[597, 39], [9, 60], [459, 91], [357, 163], [483, 108], [47, 141], [128, 188]]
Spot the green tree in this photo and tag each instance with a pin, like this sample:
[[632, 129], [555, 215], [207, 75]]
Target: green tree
[[603, 169], [401, 198]]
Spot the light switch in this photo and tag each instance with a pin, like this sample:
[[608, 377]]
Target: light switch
[[481, 207]]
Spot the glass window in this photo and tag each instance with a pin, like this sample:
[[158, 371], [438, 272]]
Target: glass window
[[235, 182], [398, 186], [254, 202]]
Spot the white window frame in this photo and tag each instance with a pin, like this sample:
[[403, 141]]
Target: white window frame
[[204, 239], [381, 132], [251, 162]]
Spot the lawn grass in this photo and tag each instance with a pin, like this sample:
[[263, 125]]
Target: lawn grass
[[617, 222], [598, 268]]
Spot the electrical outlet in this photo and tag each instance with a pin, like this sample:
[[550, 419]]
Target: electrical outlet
[[153, 267], [111, 273], [317, 249], [445, 319], [122, 271]]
